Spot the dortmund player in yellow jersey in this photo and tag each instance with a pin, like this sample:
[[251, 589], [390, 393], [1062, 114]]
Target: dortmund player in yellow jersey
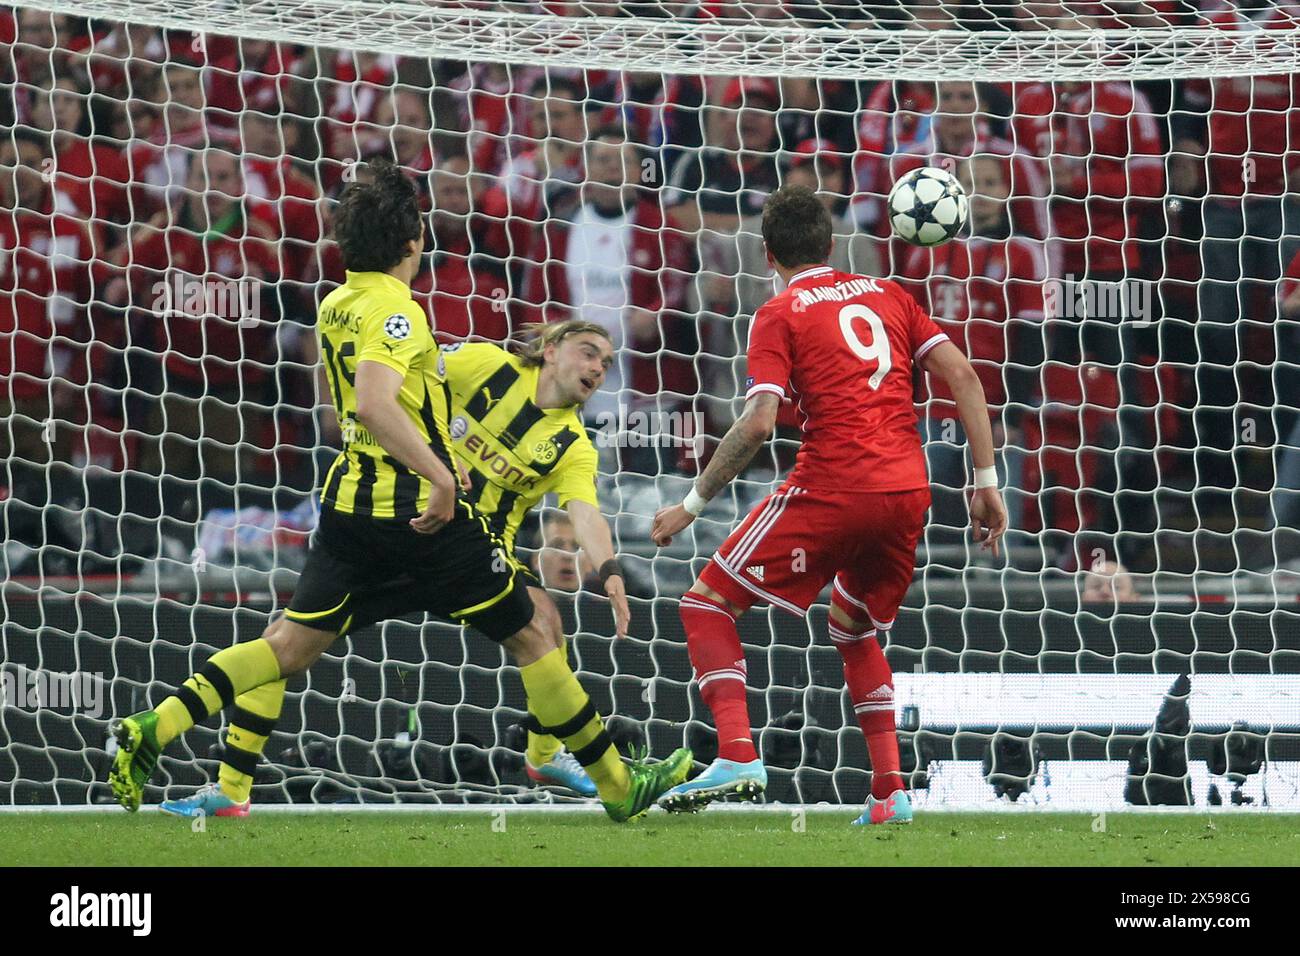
[[389, 511], [517, 432], [517, 436]]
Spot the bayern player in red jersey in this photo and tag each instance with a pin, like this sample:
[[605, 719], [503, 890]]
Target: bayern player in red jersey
[[842, 347]]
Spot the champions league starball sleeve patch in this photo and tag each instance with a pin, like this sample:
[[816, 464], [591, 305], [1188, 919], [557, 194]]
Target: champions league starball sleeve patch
[[397, 327]]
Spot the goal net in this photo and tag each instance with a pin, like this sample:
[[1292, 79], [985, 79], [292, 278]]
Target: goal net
[[1128, 290]]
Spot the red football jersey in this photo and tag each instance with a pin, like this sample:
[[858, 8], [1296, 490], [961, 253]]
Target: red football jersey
[[842, 347]]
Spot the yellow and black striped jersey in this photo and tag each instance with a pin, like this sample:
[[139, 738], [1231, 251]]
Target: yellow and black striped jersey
[[372, 318], [515, 451]]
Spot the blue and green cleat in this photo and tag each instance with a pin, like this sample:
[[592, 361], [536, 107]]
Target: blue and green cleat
[[209, 801], [896, 808], [722, 778], [137, 755], [562, 770]]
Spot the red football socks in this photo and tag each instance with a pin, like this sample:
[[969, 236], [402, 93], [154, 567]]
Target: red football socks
[[871, 688], [719, 661]]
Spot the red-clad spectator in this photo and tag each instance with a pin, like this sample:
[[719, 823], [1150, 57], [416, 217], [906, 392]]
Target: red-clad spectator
[[961, 129], [350, 94], [984, 292], [1254, 124], [161, 163], [90, 175], [494, 110], [1104, 152], [1253, 175], [39, 55], [198, 284], [255, 72], [401, 130], [1069, 478], [895, 118], [45, 259], [281, 194], [610, 265], [1106, 163], [467, 292], [121, 54], [540, 182]]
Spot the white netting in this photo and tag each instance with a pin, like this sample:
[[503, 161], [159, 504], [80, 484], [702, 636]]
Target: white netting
[[839, 40], [1129, 299]]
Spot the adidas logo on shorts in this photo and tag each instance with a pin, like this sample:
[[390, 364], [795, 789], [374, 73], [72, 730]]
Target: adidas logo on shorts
[[755, 571]]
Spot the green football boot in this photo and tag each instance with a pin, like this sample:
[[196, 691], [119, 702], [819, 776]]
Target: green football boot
[[137, 755], [649, 781]]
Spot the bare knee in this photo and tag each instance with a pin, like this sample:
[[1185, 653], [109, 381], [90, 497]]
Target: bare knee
[[296, 646], [537, 638], [547, 613], [704, 591], [841, 618]]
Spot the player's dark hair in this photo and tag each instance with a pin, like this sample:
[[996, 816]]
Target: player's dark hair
[[796, 227], [377, 216]]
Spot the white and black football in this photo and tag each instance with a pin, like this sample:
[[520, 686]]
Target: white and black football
[[927, 207]]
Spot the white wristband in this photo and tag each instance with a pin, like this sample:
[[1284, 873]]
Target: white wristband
[[693, 503], [986, 477]]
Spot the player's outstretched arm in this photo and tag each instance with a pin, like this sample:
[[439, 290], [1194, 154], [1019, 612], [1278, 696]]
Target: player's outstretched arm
[[988, 515], [592, 531], [737, 449], [377, 387]]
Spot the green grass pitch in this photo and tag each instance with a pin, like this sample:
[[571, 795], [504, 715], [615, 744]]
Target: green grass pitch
[[773, 838]]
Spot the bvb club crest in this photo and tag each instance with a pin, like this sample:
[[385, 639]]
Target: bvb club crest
[[545, 452]]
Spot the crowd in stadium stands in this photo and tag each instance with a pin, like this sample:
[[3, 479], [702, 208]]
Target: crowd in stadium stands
[[137, 165]]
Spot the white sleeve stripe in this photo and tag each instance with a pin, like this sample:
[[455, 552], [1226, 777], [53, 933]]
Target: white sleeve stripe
[[930, 343], [764, 387]]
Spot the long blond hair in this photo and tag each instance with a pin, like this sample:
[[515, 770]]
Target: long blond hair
[[541, 334]]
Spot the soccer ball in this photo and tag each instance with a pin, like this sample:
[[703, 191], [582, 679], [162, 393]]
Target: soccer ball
[[927, 207]]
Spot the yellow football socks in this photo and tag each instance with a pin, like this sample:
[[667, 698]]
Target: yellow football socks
[[558, 701], [251, 723], [227, 674]]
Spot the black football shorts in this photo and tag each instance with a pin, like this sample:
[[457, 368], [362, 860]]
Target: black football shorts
[[466, 574]]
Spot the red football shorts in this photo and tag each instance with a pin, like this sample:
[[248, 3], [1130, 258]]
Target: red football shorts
[[796, 540]]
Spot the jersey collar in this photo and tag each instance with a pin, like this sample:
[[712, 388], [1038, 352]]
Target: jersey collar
[[816, 272], [382, 280]]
